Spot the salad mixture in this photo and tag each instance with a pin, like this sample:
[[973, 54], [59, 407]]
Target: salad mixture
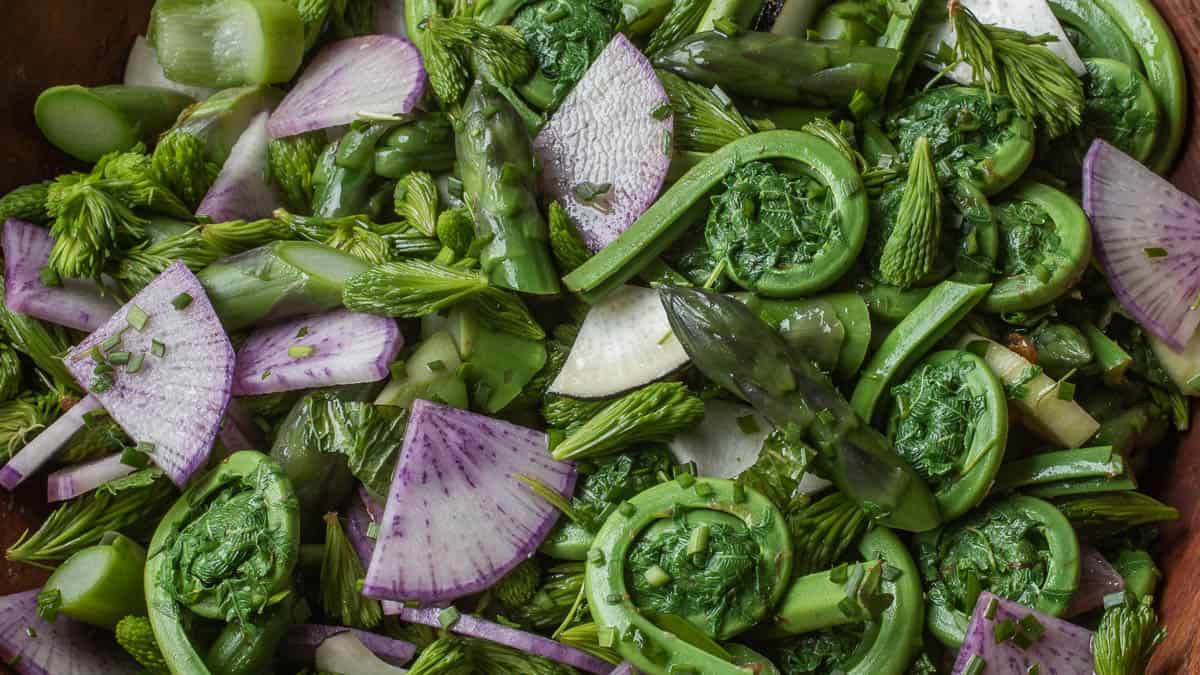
[[702, 337]]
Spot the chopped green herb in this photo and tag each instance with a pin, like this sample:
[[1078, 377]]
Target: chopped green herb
[[373, 530], [1005, 630], [1155, 252], [49, 277], [303, 332], [109, 343], [158, 349], [990, 612], [181, 301], [698, 541], [656, 576], [137, 317], [436, 365], [975, 665], [661, 112], [448, 617], [119, 358], [300, 351]]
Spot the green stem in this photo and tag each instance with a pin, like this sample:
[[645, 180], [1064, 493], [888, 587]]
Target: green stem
[[1064, 465], [88, 123], [1112, 358]]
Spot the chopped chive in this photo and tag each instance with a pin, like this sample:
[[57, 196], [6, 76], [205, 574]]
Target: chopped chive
[[666, 143], [373, 530], [1065, 391], [661, 111], [49, 277], [990, 612], [1022, 640], [436, 365], [111, 342], [698, 541], [606, 636], [1034, 669], [158, 349], [30, 632], [1155, 252], [266, 374], [96, 354], [657, 576], [135, 458], [839, 574], [448, 617], [848, 608], [627, 509], [1032, 627], [595, 556], [975, 665], [103, 368], [739, 493], [118, 358], [890, 573], [704, 490], [613, 598], [302, 332], [101, 383], [685, 480], [1004, 630], [300, 351], [181, 301], [726, 27], [136, 317]]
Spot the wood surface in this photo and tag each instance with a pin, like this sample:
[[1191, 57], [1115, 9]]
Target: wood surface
[[48, 42]]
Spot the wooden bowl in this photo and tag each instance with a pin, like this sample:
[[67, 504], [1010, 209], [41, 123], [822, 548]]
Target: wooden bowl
[[49, 42]]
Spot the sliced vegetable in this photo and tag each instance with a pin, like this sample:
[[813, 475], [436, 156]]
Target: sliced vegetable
[[319, 350], [307, 638], [1182, 366], [173, 402], [31, 645], [345, 651], [725, 443], [625, 342], [1135, 214], [456, 462], [101, 584], [369, 75], [242, 191], [220, 120], [41, 449], [473, 626], [75, 480], [1060, 420], [90, 123], [1058, 646], [227, 43], [432, 373], [143, 70], [607, 177], [806, 325], [74, 303], [1097, 580]]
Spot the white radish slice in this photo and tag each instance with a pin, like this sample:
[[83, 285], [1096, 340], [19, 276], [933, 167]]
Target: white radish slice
[[241, 190], [372, 74], [41, 449], [78, 479], [625, 342], [1147, 238], [76, 303], [457, 517], [613, 129], [142, 69], [473, 626], [725, 443], [1064, 648], [1030, 16], [32, 646], [308, 638], [174, 402], [319, 350]]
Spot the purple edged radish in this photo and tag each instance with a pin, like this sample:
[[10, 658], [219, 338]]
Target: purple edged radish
[[74, 303], [368, 75], [1147, 238], [625, 342], [32, 646], [242, 191], [1097, 580], [41, 449], [459, 516], [306, 641], [77, 479], [606, 150], [163, 369], [1055, 645], [473, 626], [319, 350], [143, 70]]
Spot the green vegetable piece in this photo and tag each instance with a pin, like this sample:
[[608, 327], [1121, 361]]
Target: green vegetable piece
[[851, 21], [1093, 33], [291, 163], [449, 45], [983, 138], [563, 39], [1061, 349], [704, 120], [220, 119], [181, 163], [1126, 638], [421, 381], [1020, 548], [681, 20], [568, 249], [281, 279], [811, 326], [416, 200], [456, 230], [343, 174], [242, 522], [23, 417], [1155, 43], [929, 322], [1046, 244], [1106, 515], [949, 419], [136, 637], [10, 373], [499, 363], [497, 167], [1141, 575], [250, 649], [682, 205], [1058, 466], [261, 41], [552, 600], [655, 412], [341, 575], [88, 123], [911, 246], [425, 144], [27, 202], [101, 584], [411, 288], [663, 519], [781, 68], [745, 356]]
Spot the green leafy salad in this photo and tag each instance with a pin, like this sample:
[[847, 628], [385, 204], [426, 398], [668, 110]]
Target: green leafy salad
[[549, 337]]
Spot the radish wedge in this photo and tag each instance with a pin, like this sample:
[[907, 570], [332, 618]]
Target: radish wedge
[[75, 303], [75, 480], [612, 131], [142, 70], [31, 646], [306, 638], [372, 74], [473, 626], [358, 522], [1147, 238], [176, 398], [320, 350], [458, 518], [624, 343], [41, 449], [241, 191], [1097, 579], [725, 443], [1063, 649]]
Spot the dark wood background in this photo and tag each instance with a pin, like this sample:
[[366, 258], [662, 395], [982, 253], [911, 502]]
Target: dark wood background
[[48, 42]]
